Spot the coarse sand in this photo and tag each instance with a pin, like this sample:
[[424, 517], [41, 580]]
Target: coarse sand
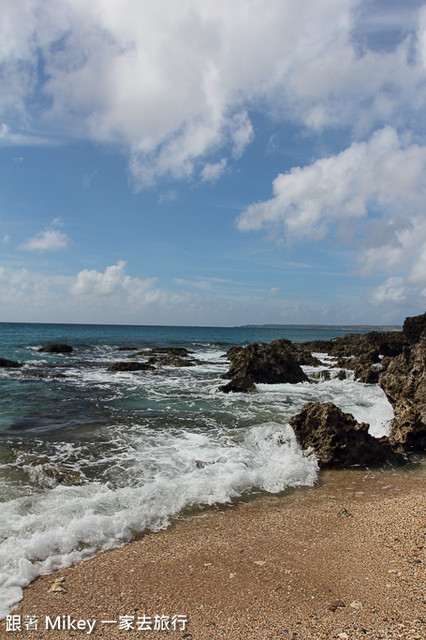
[[344, 559]]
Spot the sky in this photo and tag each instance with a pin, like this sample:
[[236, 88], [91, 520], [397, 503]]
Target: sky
[[212, 162]]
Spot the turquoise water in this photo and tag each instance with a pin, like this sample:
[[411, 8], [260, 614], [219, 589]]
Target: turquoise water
[[90, 458]]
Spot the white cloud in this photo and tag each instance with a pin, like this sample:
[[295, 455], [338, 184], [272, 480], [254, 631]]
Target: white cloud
[[47, 240], [212, 171], [384, 172], [392, 291], [374, 189], [113, 282], [173, 82]]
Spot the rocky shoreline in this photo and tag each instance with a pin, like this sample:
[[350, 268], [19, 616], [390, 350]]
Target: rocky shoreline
[[394, 360]]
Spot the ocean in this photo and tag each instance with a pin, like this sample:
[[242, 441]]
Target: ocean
[[91, 459]]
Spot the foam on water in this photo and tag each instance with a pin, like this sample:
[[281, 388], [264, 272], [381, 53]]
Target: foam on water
[[163, 474], [119, 453]]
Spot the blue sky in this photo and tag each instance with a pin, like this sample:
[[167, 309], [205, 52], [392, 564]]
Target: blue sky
[[212, 163]]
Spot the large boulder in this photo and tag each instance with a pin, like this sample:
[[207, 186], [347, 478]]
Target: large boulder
[[404, 382], [264, 363], [337, 438]]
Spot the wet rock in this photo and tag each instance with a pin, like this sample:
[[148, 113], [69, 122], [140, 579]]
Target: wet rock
[[9, 364], [338, 439], [403, 379], [172, 351], [173, 361], [272, 363], [56, 348], [130, 366], [368, 345], [243, 384]]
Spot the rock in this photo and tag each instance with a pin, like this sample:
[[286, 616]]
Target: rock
[[403, 379], [130, 366], [268, 363], [414, 327], [366, 345], [9, 364], [56, 348], [172, 351], [173, 361], [243, 384], [337, 438]]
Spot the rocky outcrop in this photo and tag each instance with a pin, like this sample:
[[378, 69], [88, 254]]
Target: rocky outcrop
[[268, 363], [56, 348], [130, 366], [9, 364], [338, 439], [414, 327], [404, 382]]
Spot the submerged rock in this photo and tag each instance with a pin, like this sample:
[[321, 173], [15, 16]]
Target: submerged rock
[[56, 348], [173, 361], [9, 364], [172, 351], [272, 363], [130, 366], [338, 439]]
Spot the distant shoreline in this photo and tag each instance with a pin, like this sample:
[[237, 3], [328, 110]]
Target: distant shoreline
[[341, 327]]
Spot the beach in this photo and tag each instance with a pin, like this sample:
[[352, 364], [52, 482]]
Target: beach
[[343, 559]]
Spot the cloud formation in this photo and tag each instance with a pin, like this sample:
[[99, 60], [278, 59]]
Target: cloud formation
[[173, 83], [47, 240], [380, 184]]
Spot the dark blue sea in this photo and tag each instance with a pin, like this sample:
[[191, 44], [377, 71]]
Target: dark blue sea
[[91, 458]]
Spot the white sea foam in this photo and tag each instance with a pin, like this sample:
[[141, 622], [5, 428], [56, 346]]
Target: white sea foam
[[144, 473], [165, 473]]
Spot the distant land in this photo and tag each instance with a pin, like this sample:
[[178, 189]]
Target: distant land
[[343, 327]]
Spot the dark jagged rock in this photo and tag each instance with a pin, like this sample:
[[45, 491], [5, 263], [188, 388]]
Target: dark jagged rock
[[338, 439], [130, 366], [365, 369], [173, 361], [242, 384], [414, 327], [9, 364], [371, 345], [404, 382], [268, 363], [56, 348], [127, 348]]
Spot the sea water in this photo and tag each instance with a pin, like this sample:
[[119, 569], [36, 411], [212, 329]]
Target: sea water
[[91, 458]]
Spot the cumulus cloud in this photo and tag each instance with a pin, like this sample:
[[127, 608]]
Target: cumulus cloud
[[307, 201], [113, 282], [171, 83], [47, 240], [392, 291], [380, 184]]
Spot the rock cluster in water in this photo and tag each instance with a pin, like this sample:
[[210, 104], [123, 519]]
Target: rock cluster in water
[[395, 360], [272, 363]]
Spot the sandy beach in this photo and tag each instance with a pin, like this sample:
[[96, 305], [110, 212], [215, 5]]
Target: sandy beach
[[344, 559]]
